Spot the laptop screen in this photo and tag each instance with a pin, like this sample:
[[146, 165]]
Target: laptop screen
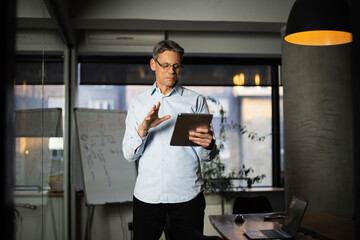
[[294, 216]]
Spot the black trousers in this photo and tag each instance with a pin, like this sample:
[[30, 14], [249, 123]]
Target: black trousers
[[182, 219]]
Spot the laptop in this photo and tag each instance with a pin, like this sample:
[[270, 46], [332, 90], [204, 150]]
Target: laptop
[[290, 226]]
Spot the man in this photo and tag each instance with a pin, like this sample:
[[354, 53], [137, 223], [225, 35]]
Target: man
[[169, 182]]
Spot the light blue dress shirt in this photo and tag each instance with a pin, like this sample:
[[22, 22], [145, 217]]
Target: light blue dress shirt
[[166, 174]]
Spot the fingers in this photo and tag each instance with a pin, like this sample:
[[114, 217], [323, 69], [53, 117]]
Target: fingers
[[152, 119], [202, 136], [153, 110], [165, 118], [157, 106], [203, 130], [205, 143]]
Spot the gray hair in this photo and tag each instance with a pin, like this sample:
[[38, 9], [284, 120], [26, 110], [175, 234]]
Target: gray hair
[[167, 45]]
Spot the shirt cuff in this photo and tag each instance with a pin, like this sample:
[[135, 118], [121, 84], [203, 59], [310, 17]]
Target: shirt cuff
[[138, 143], [210, 153]]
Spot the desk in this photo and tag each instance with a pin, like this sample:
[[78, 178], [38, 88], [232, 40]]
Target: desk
[[327, 225]]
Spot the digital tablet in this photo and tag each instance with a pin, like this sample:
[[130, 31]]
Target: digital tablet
[[186, 122]]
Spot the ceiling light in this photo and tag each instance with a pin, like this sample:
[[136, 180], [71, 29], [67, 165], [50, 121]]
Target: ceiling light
[[239, 79], [319, 23]]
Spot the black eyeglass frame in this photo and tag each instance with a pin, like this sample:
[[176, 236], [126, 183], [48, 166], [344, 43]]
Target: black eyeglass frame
[[173, 66]]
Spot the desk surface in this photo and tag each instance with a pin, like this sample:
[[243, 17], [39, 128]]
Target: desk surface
[[327, 225], [251, 190]]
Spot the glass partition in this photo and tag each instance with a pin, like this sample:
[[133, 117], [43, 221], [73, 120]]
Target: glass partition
[[39, 124]]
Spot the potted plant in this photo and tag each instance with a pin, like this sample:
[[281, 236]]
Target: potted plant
[[215, 179]]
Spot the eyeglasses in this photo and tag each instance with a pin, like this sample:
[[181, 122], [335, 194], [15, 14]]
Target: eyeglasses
[[167, 66]]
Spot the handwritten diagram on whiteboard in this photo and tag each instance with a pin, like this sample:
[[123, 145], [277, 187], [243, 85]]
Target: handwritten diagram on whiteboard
[[108, 177]]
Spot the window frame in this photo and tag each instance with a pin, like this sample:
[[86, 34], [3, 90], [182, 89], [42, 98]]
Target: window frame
[[273, 62]]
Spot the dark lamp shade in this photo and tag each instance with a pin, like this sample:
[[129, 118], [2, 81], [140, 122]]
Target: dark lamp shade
[[319, 23]]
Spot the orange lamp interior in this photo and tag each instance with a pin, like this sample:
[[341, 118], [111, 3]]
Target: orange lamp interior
[[319, 38]]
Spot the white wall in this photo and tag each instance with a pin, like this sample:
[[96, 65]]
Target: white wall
[[215, 27], [254, 11], [229, 43], [195, 43]]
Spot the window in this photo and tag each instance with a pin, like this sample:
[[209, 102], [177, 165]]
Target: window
[[250, 108], [39, 94], [249, 104]]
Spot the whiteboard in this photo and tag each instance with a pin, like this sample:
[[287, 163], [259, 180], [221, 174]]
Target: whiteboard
[[108, 176]]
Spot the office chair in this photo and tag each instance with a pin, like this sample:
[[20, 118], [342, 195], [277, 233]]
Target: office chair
[[258, 204]]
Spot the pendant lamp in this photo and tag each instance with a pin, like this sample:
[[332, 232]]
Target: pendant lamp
[[319, 23]]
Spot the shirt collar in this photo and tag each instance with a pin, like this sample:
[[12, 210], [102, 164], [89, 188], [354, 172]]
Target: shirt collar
[[178, 88]]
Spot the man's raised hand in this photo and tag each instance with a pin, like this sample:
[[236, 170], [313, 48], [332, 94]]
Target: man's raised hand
[[151, 120]]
